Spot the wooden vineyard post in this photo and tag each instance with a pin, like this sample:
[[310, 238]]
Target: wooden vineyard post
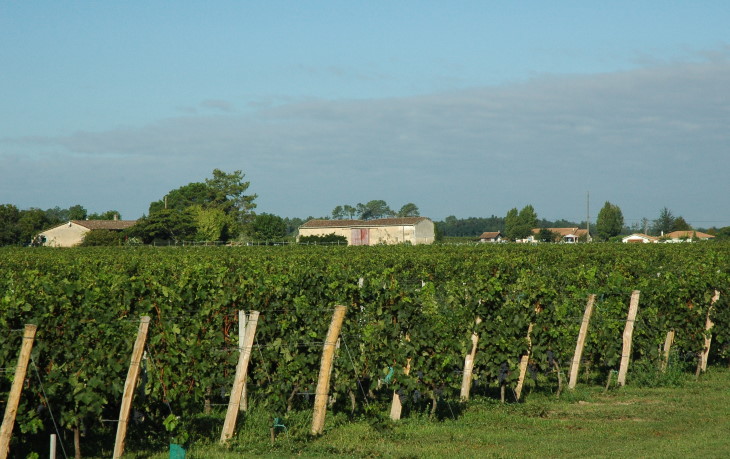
[[524, 360], [396, 407], [244, 357], [668, 341], [580, 344], [323, 383], [627, 338], [469, 364], [130, 384], [11, 409], [702, 364], [241, 338]]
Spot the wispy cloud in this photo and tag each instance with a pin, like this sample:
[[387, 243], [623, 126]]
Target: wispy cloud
[[638, 138]]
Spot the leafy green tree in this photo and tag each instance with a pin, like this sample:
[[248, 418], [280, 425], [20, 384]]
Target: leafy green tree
[[374, 209], [30, 223], [77, 212], [519, 225], [610, 221], [268, 227], [165, 225], [228, 194], [57, 215], [349, 211], [545, 235], [9, 229], [338, 213], [511, 222], [102, 238], [181, 198], [108, 215], [680, 224], [409, 210], [665, 223], [213, 224]]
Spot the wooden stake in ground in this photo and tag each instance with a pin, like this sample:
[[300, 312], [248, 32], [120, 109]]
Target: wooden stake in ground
[[523, 364], [11, 409], [668, 341], [627, 338], [469, 364], [244, 357], [129, 385], [580, 344], [323, 383], [526, 358], [396, 407], [702, 365], [241, 338]]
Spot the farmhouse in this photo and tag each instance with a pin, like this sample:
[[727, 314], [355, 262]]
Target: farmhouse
[[413, 230], [686, 236], [72, 233], [567, 235], [491, 236], [639, 238]]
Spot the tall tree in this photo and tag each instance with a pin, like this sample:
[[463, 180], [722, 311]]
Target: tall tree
[[338, 213], [228, 193], [409, 210], [9, 229], [192, 194], [519, 225], [349, 211], [267, 227], [511, 221], [680, 224], [374, 209], [665, 223], [30, 223], [610, 221], [77, 212], [167, 225]]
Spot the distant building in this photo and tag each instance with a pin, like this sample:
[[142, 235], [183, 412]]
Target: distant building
[[686, 236], [491, 236], [413, 230], [567, 235], [72, 233], [639, 238]]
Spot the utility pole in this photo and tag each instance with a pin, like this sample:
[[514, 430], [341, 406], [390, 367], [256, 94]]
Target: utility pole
[[588, 214]]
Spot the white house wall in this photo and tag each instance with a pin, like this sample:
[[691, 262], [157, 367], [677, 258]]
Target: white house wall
[[421, 233], [66, 235]]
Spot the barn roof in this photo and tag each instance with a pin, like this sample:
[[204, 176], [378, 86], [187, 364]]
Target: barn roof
[[363, 223], [105, 224]]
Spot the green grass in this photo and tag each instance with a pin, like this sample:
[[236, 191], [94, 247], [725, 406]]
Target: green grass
[[690, 420]]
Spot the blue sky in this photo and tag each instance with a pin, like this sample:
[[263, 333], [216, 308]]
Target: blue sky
[[464, 108]]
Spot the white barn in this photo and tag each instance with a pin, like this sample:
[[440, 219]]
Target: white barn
[[413, 230]]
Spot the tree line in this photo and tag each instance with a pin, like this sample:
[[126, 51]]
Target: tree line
[[220, 209]]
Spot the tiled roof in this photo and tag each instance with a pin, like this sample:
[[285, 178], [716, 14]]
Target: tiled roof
[[363, 223], [688, 234], [490, 235], [105, 224], [563, 231]]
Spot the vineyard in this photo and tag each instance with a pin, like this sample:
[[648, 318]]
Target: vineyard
[[413, 315]]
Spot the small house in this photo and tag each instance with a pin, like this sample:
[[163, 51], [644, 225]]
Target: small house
[[72, 233]]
